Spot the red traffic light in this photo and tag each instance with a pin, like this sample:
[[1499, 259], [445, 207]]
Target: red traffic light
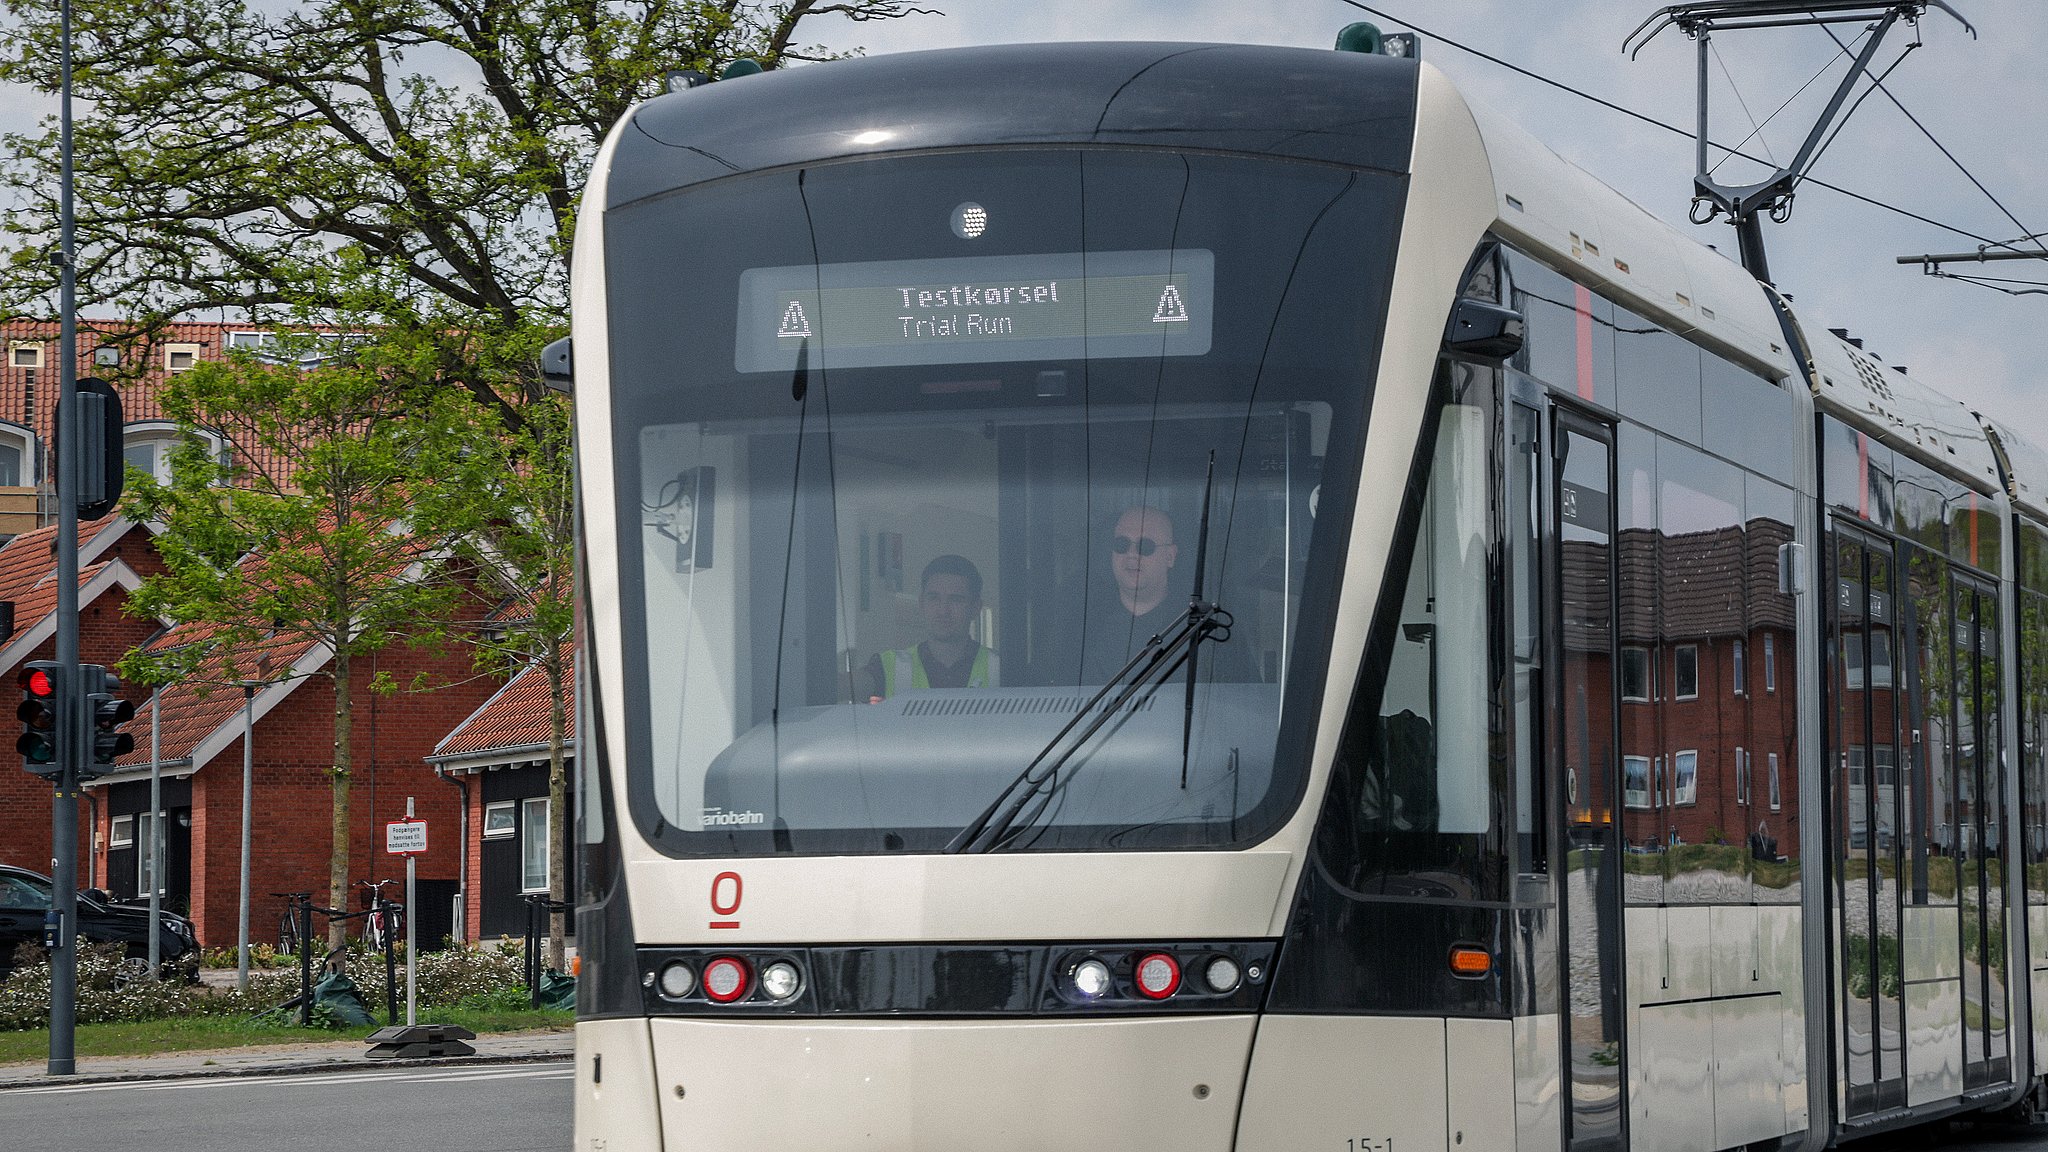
[[38, 682]]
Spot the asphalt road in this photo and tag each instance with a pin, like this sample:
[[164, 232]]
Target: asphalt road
[[481, 1108]]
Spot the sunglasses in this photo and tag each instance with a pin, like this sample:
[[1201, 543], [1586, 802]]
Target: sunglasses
[[1144, 544]]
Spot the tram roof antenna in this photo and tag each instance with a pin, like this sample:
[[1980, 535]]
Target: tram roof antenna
[[1746, 204]]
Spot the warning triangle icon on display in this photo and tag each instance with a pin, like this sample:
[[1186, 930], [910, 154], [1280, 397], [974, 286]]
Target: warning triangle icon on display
[[1171, 310], [794, 322]]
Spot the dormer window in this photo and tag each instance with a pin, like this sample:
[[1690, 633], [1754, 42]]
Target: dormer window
[[24, 355], [180, 357]]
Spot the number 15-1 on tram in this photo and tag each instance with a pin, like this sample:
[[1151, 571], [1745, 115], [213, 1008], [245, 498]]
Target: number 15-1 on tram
[[1209, 597]]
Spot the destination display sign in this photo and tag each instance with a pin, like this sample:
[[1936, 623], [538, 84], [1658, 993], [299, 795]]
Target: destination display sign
[[977, 309]]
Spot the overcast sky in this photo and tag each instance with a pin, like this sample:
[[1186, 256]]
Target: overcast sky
[[1984, 98]]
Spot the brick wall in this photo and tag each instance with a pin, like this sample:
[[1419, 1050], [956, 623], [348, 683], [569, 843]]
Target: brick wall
[[105, 633], [291, 835]]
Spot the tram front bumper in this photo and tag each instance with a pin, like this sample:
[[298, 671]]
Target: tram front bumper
[[951, 1085]]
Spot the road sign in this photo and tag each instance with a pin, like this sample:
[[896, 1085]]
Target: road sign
[[405, 837]]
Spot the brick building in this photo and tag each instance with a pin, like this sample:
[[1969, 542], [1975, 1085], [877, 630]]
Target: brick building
[[114, 556], [200, 733], [498, 759]]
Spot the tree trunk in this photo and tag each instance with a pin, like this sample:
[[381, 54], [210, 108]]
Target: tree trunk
[[337, 864], [558, 815]]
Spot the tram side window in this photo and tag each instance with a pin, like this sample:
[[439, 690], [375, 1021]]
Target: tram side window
[[1417, 770], [2033, 655]]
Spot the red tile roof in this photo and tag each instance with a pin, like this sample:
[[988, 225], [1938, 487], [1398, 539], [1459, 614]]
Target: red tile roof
[[30, 559], [517, 717], [196, 707]]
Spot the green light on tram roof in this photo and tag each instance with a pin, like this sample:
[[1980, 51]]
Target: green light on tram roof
[[1360, 37]]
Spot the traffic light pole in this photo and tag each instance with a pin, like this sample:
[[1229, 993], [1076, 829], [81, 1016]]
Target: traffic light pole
[[71, 720]]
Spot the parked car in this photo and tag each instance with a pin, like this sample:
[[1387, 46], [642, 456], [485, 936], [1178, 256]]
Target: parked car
[[25, 900]]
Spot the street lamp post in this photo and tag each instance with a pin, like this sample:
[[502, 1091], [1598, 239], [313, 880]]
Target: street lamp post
[[156, 828], [248, 805]]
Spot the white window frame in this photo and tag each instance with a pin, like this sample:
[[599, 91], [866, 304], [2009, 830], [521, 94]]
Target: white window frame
[[1777, 797], [1740, 656], [1677, 680], [1649, 680], [1741, 777], [173, 351], [508, 809], [24, 439], [528, 821], [1685, 792], [33, 347], [167, 436], [121, 832], [1770, 662], [1635, 797]]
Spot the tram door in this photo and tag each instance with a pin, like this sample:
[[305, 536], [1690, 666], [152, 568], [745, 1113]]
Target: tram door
[[1589, 905], [1867, 807], [1981, 815]]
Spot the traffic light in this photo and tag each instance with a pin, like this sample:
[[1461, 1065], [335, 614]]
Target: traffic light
[[42, 689], [107, 713]]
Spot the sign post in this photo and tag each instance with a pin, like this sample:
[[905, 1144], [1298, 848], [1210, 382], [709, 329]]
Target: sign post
[[413, 1040], [408, 838]]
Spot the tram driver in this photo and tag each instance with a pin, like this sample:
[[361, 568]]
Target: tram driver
[[949, 599]]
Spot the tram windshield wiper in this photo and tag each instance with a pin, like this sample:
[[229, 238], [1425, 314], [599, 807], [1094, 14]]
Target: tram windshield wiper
[[1026, 797]]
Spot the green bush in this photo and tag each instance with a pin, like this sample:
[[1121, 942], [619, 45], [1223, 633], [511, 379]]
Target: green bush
[[472, 974]]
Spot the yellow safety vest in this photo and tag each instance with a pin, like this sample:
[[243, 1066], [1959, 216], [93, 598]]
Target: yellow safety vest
[[982, 674]]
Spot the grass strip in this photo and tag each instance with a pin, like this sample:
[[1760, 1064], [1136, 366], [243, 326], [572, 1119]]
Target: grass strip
[[207, 1033]]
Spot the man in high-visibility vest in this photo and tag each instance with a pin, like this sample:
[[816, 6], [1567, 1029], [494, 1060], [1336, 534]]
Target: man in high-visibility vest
[[949, 598]]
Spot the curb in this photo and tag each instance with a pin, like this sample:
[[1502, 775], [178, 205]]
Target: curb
[[355, 1064]]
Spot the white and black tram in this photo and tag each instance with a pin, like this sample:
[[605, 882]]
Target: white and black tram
[[1214, 597]]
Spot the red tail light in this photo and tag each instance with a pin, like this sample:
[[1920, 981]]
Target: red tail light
[[1157, 975], [726, 979]]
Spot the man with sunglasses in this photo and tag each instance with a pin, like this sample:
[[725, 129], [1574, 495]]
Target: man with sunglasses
[[1142, 555]]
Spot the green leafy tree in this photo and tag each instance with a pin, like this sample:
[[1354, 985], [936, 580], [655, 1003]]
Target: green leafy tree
[[418, 160], [513, 522], [302, 533]]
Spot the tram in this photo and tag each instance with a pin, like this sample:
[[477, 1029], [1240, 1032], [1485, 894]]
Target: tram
[[1218, 597]]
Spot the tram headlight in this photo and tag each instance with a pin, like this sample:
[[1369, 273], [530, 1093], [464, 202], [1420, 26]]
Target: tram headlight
[[1091, 979], [1157, 975], [725, 979], [781, 980], [677, 980], [1222, 974]]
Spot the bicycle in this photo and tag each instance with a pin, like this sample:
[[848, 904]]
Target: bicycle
[[383, 920]]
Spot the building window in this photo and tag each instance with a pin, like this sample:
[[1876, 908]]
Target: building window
[[1685, 778], [1635, 781], [145, 831], [17, 457], [533, 844], [1741, 665], [1741, 776], [1776, 800], [501, 819], [180, 357], [1635, 674], [25, 356], [1770, 663], [1685, 672], [148, 447], [123, 834]]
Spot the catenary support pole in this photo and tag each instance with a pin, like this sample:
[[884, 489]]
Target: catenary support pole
[[248, 813], [61, 929]]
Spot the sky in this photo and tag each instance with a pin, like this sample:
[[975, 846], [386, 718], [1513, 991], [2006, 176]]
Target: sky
[[1984, 99]]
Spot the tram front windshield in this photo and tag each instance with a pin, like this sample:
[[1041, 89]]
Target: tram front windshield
[[915, 456]]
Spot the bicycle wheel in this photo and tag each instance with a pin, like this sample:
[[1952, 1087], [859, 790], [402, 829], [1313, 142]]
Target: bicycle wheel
[[287, 935]]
